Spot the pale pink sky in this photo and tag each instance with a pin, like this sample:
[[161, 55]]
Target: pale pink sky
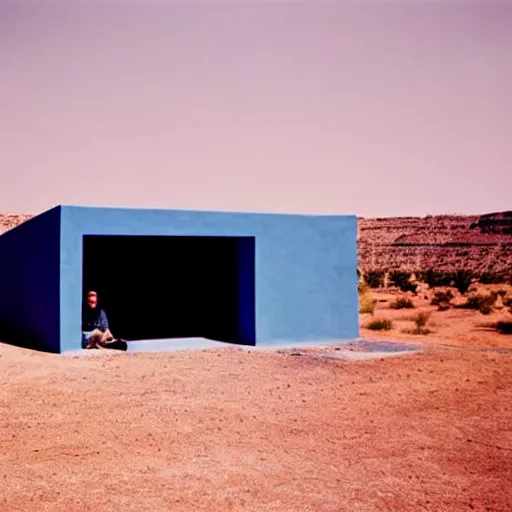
[[373, 108]]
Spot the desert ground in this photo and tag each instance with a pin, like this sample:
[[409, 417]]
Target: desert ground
[[263, 430]]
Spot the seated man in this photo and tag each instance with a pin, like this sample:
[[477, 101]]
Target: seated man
[[95, 328]]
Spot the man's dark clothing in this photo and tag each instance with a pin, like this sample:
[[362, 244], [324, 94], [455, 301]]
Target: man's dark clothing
[[94, 319]]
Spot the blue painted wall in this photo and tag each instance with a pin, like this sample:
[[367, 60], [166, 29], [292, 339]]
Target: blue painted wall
[[29, 283], [305, 266]]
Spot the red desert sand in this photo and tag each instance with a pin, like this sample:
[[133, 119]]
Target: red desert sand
[[228, 429]]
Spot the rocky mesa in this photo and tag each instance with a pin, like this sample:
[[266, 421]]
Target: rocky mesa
[[482, 244]]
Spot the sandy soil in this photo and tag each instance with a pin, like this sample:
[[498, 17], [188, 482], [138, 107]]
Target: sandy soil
[[255, 431]]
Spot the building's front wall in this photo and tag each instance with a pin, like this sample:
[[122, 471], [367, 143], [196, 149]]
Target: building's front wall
[[306, 283]]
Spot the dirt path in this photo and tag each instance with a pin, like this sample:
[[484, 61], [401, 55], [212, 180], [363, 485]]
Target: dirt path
[[232, 430]]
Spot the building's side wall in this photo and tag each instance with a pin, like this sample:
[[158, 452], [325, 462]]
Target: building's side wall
[[29, 283], [306, 282]]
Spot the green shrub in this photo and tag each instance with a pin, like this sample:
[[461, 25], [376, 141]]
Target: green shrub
[[442, 298], [362, 287], [402, 280], [504, 327], [366, 303], [507, 301], [482, 303], [474, 301], [375, 278], [435, 279], [421, 276], [402, 303], [421, 320], [491, 278], [486, 278], [380, 324], [462, 280], [485, 309]]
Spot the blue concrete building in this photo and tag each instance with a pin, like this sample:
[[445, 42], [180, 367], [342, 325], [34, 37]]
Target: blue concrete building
[[246, 278]]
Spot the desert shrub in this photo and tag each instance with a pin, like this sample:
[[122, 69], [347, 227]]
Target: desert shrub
[[366, 303], [485, 309], [402, 303], [402, 280], [502, 293], [380, 324], [474, 301], [504, 327], [435, 279], [421, 320], [482, 303], [507, 301], [442, 298], [462, 280], [421, 276], [375, 278], [490, 278]]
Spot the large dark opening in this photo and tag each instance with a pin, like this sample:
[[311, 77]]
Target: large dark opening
[[155, 287]]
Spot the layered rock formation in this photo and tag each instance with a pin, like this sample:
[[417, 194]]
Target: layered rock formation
[[9, 221], [444, 243]]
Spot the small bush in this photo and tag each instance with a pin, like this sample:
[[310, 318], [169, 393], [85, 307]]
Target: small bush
[[485, 309], [375, 278], [486, 278], [462, 280], [504, 327], [362, 287], [474, 301], [402, 280], [421, 320], [380, 324], [442, 298], [435, 279], [366, 303], [402, 303], [482, 303], [491, 278], [507, 301]]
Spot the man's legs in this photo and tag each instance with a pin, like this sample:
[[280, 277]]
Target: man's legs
[[85, 339], [97, 337]]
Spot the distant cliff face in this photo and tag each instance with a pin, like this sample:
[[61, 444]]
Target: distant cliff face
[[498, 223], [10, 221], [445, 242]]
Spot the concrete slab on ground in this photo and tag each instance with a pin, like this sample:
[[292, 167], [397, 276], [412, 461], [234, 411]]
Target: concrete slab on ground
[[358, 349], [176, 344]]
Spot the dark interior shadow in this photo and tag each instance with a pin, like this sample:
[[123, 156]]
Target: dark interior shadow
[[155, 287]]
